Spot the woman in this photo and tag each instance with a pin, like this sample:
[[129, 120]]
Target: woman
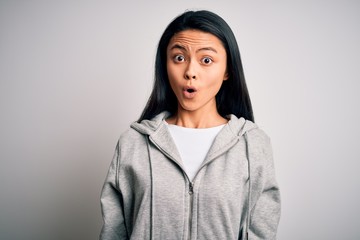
[[194, 166]]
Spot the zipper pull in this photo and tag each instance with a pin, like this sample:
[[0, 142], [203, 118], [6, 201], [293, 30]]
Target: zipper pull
[[191, 188]]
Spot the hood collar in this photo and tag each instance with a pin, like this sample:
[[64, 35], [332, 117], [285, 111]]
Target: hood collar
[[159, 135], [235, 126], [148, 127]]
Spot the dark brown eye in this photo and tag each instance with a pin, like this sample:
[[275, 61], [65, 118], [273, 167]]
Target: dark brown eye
[[179, 58], [206, 60]]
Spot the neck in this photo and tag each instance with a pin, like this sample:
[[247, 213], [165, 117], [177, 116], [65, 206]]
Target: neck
[[197, 119]]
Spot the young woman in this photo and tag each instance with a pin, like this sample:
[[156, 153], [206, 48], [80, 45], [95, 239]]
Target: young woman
[[194, 166]]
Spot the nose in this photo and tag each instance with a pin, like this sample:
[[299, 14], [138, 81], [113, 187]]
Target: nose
[[190, 72]]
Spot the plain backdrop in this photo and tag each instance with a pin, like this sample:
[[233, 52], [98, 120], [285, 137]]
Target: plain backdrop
[[75, 74]]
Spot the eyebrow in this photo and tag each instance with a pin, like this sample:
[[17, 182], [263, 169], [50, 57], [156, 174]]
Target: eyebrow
[[178, 46]]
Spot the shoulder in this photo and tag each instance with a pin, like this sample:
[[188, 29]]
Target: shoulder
[[130, 134], [130, 147], [258, 135], [259, 143], [131, 137]]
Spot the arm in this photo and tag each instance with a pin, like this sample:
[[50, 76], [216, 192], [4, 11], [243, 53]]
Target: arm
[[112, 204], [265, 201]]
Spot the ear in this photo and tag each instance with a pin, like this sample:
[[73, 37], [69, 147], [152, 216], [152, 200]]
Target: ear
[[226, 76]]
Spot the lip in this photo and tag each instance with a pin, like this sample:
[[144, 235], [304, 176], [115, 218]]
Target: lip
[[189, 92]]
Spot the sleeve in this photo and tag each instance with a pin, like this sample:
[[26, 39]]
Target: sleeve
[[265, 203], [112, 204]]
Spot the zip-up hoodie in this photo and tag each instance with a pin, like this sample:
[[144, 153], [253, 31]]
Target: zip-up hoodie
[[234, 194]]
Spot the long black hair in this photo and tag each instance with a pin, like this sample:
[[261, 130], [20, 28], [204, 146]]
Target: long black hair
[[233, 96]]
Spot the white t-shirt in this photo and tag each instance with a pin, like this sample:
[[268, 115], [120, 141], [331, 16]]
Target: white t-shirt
[[193, 144]]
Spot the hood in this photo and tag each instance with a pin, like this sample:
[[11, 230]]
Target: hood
[[159, 135], [235, 126]]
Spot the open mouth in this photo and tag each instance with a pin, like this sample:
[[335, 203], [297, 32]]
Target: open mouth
[[190, 89], [189, 92]]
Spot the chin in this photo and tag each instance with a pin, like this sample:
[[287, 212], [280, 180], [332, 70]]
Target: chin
[[189, 108]]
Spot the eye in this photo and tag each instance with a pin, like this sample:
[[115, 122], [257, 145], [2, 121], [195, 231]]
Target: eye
[[179, 58], [206, 60]]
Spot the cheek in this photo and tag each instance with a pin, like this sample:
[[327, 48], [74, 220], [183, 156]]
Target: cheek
[[216, 86], [174, 73], [172, 78], [217, 78]]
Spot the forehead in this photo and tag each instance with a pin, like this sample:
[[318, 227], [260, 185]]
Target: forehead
[[195, 38]]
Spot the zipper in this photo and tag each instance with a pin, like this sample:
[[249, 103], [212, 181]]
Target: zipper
[[191, 194], [191, 188]]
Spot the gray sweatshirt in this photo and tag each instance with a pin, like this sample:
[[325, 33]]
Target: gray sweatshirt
[[234, 195]]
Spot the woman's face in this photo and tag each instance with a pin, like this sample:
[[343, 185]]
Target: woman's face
[[196, 67]]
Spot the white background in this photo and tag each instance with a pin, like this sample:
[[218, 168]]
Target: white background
[[75, 74]]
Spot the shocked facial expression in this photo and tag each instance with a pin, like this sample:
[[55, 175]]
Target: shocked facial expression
[[196, 67]]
